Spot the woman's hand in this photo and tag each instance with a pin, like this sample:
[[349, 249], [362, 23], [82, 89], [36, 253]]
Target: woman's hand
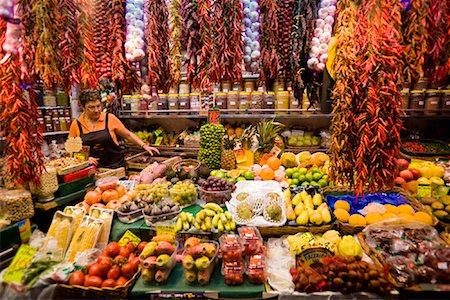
[[93, 160], [150, 149]]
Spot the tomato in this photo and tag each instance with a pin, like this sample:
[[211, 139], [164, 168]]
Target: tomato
[[132, 255], [135, 263], [113, 273], [127, 270], [130, 246], [141, 247], [99, 269], [121, 281], [77, 278], [120, 260], [109, 283], [112, 249], [103, 259], [92, 280], [125, 252]]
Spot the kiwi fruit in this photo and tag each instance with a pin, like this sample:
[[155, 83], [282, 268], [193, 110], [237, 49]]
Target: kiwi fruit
[[437, 205]]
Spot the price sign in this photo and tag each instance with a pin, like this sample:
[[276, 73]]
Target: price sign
[[74, 144], [166, 229], [313, 256], [127, 237], [24, 230], [158, 141], [128, 184], [20, 262]]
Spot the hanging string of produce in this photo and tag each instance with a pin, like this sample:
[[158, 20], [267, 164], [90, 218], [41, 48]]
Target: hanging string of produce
[[134, 16], [158, 50], [102, 36], [252, 25], [372, 109], [18, 115], [88, 77], [191, 37], [285, 16], [414, 34], [269, 64], [175, 24], [228, 42], [69, 44], [28, 44], [206, 53], [46, 32], [438, 41]]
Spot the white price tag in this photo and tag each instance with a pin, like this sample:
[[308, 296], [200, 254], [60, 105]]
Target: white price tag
[[254, 102], [447, 103], [421, 102], [442, 266], [232, 103], [269, 103], [172, 104], [294, 102], [248, 90], [225, 90]]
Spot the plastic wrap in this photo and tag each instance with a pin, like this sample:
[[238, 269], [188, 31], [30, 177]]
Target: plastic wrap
[[85, 237], [59, 234], [106, 215]]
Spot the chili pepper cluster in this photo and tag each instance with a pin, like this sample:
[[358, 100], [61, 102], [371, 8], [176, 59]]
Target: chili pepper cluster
[[269, 41], [175, 21], [191, 37], [206, 53], [366, 127]]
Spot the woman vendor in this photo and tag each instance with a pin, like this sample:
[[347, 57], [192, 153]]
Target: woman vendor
[[99, 131]]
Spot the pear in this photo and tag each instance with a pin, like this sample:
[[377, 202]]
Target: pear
[[302, 219], [303, 194], [297, 199], [317, 199], [316, 218], [326, 216], [299, 209], [308, 202]]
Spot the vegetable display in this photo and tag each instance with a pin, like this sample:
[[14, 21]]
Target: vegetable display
[[28, 45], [88, 78], [269, 41], [367, 119], [101, 38], [252, 25]]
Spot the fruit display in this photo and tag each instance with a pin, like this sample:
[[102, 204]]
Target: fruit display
[[374, 208], [157, 260], [183, 193], [256, 269], [213, 218], [113, 268], [163, 211], [199, 260], [232, 250], [307, 208], [438, 206], [188, 171], [85, 237], [306, 177], [412, 252], [233, 176], [185, 221], [268, 135], [228, 160], [216, 190], [251, 240], [210, 152], [106, 195], [299, 138], [151, 193], [342, 274]]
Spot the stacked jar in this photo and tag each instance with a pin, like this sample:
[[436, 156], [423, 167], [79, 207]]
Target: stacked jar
[[432, 102], [282, 102], [417, 102], [257, 102], [244, 102], [221, 100], [195, 103], [163, 103], [445, 103], [269, 102], [172, 100], [233, 102]]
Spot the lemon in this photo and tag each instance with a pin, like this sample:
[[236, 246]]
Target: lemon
[[423, 217], [342, 204], [357, 220], [373, 218], [341, 214], [405, 208], [391, 208]]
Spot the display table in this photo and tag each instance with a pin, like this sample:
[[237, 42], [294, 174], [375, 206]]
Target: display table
[[215, 289]]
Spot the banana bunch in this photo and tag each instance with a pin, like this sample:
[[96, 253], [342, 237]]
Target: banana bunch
[[185, 221], [212, 217]]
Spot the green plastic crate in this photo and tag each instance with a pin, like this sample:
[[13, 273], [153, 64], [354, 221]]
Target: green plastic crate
[[74, 186]]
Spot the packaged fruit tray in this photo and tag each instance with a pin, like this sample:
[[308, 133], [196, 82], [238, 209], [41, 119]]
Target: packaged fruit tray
[[424, 147], [156, 267], [391, 200], [199, 260], [152, 220], [130, 217]]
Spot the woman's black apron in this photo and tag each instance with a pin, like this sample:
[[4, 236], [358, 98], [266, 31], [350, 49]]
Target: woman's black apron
[[103, 147]]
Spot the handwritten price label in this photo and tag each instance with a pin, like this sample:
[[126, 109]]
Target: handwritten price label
[[127, 237], [21, 261], [166, 229]]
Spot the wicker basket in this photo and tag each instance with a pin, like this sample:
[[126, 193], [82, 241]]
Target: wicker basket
[[105, 172], [74, 168], [290, 230], [64, 291], [189, 161]]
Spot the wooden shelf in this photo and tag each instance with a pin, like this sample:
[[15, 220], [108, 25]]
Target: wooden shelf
[[45, 134]]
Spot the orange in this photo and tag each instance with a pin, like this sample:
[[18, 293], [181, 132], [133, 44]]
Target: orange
[[267, 174], [274, 163]]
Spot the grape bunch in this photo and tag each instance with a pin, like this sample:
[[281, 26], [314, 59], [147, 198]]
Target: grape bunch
[[210, 152], [151, 193], [214, 184], [183, 193]]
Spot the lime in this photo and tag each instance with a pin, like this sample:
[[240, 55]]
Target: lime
[[322, 182], [289, 181], [240, 179], [214, 173], [232, 180], [314, 183], [303, 171], [306, 183], [295, 181], [293, 186], [309, 177], [325, 177], [249, 175], [317, 176], [315, 170], [295, 169], [220, 174], [289, 172], [295, 175], [301, 178]]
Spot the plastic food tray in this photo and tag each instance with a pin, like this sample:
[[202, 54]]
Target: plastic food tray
[[130, 217], [154, 267], [218, 197], [152, 220], [424, 142], [212, 261]]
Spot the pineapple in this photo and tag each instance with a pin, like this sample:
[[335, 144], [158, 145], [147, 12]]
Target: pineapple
[[246, 140], [228, 161], [266, 132]]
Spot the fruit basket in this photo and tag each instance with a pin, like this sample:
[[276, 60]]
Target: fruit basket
[[130, 217], [218, 197], [424, 147], [199, 261], [187, 164]]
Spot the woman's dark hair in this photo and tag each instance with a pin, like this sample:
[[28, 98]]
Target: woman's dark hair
[[89, 95]]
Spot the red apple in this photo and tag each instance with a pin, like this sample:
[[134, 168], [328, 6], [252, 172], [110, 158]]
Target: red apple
[[402, 164], [416, 173], [407, 175], [399, 181]]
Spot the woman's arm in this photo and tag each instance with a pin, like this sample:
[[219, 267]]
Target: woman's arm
[[126, 134]]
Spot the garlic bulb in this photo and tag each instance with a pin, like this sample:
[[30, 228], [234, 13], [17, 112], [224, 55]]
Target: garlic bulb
[[134, 16], [251, 35]]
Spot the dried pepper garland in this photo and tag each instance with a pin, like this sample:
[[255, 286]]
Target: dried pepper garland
[[367, 109], [69, 44], [191, 37], [175, 22], [228, 43], [28, 44], [102, 36], [206, 53], [438, 41], [269, 64], [46, 32], [88, 78], [285, 24], [18, 117], [414, 40], [158, 37]]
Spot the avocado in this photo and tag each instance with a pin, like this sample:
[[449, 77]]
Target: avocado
[[428, 209], [447, 209], [182, 174], [193, 174], [437, 205], [203, 171], [170, 173], [441, 214]]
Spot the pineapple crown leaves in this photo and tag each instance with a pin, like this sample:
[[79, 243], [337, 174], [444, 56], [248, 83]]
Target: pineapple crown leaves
[[229, 142], [267, 130]]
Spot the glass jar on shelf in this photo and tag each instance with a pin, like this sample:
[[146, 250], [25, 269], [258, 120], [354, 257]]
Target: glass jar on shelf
[[163, 103], [63, 124], [269, 102], [282, 102], [405, 99], [56, 125], [307, 108], [195, 103], [257, 102], [221, 100], [62, 99], [173, 103], [233, 102], [237, 86], [249, 85], [445, 103], [278, 86], [294, 103], [226, 86], [417, 102], [184, 88], [244, 102], [432, 102], [184, 103], [49, 98]]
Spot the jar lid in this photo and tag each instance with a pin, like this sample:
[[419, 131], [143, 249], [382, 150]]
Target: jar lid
[[163, 95], [233, 92], [271, 93], [417, 91], [257, 93], [195, 94], [173, 95], [184, 95], [283, 92], [432, 91], [245, 93], [220, 94]]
